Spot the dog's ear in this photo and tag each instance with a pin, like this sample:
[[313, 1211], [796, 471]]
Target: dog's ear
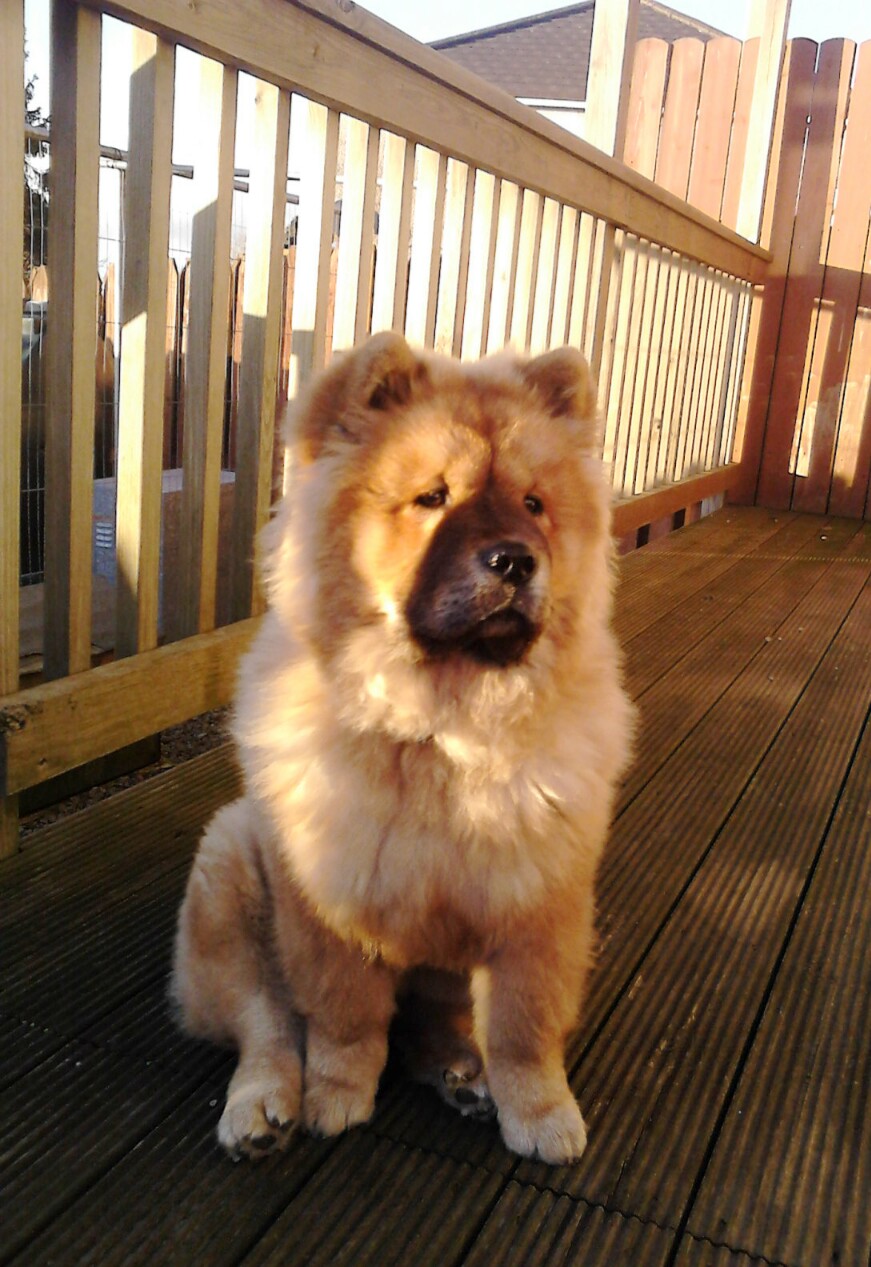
[[387, 372], [382, 374], [562, 381]]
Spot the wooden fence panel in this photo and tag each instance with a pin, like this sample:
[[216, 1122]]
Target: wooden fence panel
[[645, 106], [851, 473], [679, 116], [782, 457], [735, 166], [793, 109], [714, 125], [837, 310]]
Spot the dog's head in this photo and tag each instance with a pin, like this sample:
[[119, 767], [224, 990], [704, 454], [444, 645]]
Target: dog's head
[[450, 516]]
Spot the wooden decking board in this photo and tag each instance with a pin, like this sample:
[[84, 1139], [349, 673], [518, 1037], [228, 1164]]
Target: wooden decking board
[[176, 1198], [724, 1078], [77, 856], [381, 1204], [672, 707], [23, 1046], [669, 579], [695, 1253], [123, 953], [675, 632], [657, 1076], [530, 1227], [804, 1093], [67, 1122], [660, 838]]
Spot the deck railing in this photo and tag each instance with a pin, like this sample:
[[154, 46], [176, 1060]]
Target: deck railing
[[467, 221]]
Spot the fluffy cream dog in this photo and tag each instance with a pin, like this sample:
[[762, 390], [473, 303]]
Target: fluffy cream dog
[[431, 725]]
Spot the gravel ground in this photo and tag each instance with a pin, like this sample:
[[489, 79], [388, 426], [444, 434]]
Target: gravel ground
[[177, 744]]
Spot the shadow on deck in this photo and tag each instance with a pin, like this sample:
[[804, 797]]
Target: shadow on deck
[[724, 1062]]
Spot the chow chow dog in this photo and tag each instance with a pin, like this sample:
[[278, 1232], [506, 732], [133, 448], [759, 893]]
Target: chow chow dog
[[431, 725]]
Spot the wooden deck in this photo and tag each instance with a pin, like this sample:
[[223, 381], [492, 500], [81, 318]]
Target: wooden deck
[[724, 1063]]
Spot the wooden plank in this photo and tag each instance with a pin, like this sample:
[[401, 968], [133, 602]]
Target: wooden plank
[[539, 1227], [261, 305], [628, 406], [504, 266], [780, 458], [769, 20], [319, 144], [71, 339], [612, 52], [143, 368], [524, 282], [654, 1092], [450, 308], [426, 243], [646, 94], [664, 321], [679, 116], [851, 483], [612, 375], [566, 267], [355, 272], [587, 257], [206, 362], [397, 172], [740, 131], [838, 306], [635, 512], [545, 278], [683, 295], [480, 269], [61, 724], [801, 1096], [790, 128], [714, 124], [11, 236]]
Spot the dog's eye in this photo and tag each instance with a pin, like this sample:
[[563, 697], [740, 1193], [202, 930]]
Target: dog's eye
[[433, 499], [533, 504]]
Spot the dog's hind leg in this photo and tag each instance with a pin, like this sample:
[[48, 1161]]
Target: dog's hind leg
[[433, 1035], [227, 987]]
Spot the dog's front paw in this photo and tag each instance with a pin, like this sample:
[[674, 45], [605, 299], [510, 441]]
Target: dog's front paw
[[259, 1117], [556, 1136], [331, 1106]]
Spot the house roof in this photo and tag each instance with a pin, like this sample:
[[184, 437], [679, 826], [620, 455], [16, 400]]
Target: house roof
[[546, 56]]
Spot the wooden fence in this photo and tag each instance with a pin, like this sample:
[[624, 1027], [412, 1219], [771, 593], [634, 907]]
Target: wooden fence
[[804, 424]]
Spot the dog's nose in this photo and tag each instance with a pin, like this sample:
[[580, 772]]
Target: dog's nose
[[512, 561]]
